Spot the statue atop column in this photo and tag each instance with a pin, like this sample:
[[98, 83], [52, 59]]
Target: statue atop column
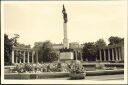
[[65, 53], [64, 15]]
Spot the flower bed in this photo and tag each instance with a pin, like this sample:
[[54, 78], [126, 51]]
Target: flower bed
[[34, 70], [73, 69], [39, 68]]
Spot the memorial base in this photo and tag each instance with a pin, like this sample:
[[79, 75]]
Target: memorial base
[[66, 56]]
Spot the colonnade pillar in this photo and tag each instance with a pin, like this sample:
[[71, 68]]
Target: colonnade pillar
[[16, 57], [12, 56], [113, 55], [24, 58], [33, 57], [28, 58], [37, 57], [104, 55], [116, 49], [81, 56], [100, 55], [20, 56], [119, 54], [109, 55]]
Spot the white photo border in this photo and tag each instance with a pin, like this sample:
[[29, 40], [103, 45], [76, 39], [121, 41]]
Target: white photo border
[[4, 81]]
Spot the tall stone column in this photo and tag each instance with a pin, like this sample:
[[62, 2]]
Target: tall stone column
[[65, 40], [28, 56], [116, 54], [100, 55], [104, 55], [24, 57], [109, 55], [13, 56], [113, 54]]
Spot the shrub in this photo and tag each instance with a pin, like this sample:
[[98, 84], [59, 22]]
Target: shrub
[[76, 67], [77, 71]]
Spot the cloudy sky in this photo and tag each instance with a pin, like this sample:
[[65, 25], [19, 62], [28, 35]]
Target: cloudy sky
[[87, 21]]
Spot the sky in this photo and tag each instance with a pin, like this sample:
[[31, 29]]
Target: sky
[[87, 21]]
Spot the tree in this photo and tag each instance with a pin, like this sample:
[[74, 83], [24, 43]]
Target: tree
[[115, 40], [7, 49], [46, 52], [89, 51], [8, 44], [100, 43]]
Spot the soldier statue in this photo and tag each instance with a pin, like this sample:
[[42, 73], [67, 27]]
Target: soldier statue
[[64, 15]]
